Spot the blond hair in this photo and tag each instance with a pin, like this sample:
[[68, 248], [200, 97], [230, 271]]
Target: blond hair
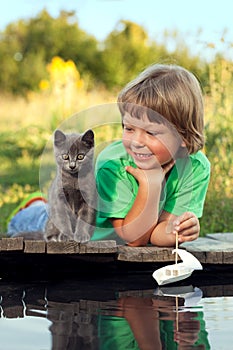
[[173, 92]]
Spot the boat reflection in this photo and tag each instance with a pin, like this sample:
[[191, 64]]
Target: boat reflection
[[191, 295]]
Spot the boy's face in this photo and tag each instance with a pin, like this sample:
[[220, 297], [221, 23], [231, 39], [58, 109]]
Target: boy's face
[[149, 143]]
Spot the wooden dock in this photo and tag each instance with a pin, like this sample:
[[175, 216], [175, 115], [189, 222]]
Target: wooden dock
[[213, 249]]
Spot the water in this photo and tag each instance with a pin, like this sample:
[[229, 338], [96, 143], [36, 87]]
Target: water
[[114, 312]]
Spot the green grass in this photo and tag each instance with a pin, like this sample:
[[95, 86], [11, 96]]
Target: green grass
[[17, 180], [217, 215]]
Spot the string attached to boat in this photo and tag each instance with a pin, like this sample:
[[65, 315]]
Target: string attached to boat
[[176, 254]]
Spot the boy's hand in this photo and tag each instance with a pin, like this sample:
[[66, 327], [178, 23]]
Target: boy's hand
[[151, 174], [188, 227], [146, 176]]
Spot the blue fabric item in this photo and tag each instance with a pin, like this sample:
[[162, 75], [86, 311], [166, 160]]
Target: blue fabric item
[[30, 219]]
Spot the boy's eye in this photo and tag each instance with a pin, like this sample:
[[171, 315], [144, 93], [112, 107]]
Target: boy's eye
[[152, 133], [65, 156], [127, 128], [80, 156]]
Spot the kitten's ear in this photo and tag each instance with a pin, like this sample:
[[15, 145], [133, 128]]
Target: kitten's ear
[[88, 138], [59, 137]]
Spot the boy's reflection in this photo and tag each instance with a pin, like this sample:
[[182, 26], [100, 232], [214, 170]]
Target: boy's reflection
[[153, 323], [165, 320]]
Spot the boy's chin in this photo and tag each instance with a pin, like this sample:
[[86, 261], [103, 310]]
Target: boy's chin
[[148, 166]]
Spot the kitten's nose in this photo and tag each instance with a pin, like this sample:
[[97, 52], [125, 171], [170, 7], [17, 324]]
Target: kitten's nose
[[72, 165]]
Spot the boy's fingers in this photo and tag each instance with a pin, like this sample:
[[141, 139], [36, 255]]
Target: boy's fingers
[[186, 216], [187, 223], [131, 170], [136, 172]]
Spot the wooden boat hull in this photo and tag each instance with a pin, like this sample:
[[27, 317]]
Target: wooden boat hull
[[171, 274]]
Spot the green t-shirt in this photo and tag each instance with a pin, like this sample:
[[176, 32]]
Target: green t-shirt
[[115, 333], [184, 190]]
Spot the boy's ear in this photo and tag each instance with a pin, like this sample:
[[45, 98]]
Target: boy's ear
[[183, 144]]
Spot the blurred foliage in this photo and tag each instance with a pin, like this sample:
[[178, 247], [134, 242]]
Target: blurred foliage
[[128, 50], [219, 147], [26, 47]]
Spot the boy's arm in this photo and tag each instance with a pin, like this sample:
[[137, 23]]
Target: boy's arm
[[138, 225], [164, 233], [141, 241]]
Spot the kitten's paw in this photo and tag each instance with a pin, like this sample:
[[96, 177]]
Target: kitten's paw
[[82, 238], [64, 238]]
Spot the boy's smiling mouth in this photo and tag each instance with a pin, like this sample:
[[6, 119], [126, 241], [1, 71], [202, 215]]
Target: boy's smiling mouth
[[142, 155]]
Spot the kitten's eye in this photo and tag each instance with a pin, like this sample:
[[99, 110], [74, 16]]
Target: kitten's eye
[[80, 156], [65, 156]]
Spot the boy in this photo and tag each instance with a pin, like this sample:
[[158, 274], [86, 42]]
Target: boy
[[153, 183]]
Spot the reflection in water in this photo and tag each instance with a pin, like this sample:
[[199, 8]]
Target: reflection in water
[[101, 314], [115, 312], [155, 322]]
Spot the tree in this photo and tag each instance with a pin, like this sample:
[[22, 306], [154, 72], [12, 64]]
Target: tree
[[26, 47], [125, 51]]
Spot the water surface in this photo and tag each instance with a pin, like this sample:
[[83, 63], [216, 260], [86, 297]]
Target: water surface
[[115, 312]]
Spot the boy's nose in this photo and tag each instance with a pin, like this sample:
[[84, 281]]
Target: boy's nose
[[138, 141], [136, 144]]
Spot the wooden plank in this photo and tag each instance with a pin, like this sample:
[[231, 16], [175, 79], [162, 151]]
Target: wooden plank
[[12, 244], [91, 247], [69, 247], [148, 254], [157, 254], [98, 247], [145, 254], [213, 249], [223, 237], [210, 243], [34, 246], [228, 257], [132, 254], [165, 254], [214, 257]]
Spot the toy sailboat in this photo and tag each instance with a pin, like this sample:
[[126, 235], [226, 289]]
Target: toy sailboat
[[178, 271]]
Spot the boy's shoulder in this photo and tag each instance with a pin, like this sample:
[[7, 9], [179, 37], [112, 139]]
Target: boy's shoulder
[[200, 159], [113, 156], [113, 152], [195, 164]]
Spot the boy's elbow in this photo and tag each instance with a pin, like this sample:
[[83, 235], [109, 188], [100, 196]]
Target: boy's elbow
[[140, 242], [136, 244]]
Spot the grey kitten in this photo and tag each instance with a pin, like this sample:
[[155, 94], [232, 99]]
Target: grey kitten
[[72, 199]]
